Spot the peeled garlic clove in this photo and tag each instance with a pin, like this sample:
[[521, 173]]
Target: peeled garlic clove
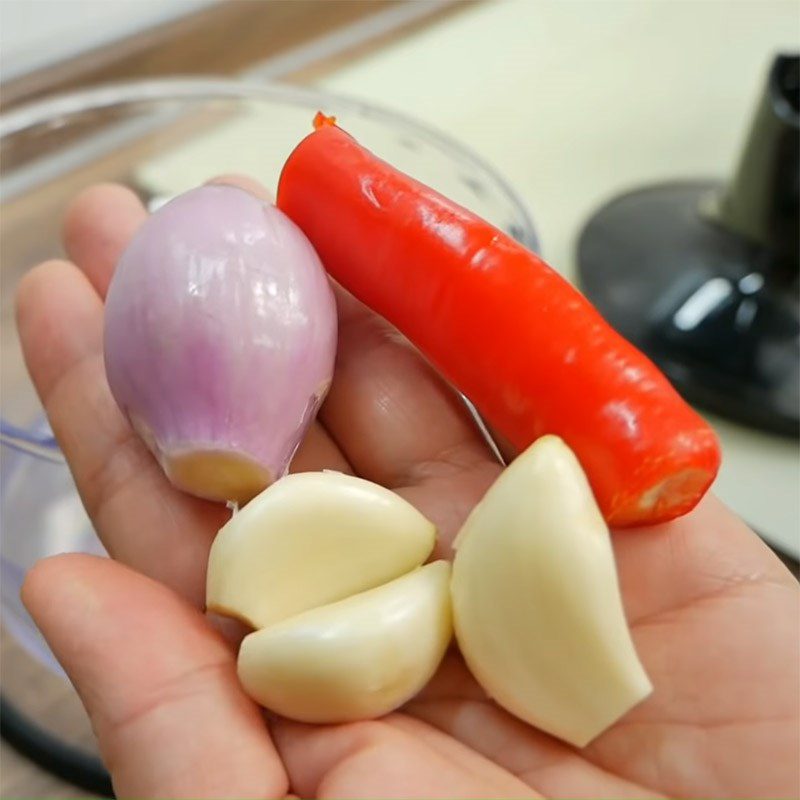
[[356, 659], [310, 539], [536, 602]]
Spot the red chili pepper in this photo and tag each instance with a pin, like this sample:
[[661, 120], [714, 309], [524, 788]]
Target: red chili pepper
[[516, 338]]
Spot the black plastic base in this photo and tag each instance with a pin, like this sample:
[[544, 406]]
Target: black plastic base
[[709, 308], [53, 755]]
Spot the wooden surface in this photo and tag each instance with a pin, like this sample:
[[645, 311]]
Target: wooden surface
[[200, 45]]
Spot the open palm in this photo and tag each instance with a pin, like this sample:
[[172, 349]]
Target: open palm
[[714, 613]]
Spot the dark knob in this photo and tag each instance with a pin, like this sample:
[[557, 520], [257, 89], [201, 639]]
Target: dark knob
[[762, 201]]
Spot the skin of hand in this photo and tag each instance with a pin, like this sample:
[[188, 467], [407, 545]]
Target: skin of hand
[[715, 616]]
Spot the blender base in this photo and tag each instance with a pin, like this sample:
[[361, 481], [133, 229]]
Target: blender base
[[716, 314]]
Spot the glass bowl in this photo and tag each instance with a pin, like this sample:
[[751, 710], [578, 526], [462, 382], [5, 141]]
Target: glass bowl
[[160, 138]]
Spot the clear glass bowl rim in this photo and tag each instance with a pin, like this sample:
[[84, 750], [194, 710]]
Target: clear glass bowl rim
[[110, 95]]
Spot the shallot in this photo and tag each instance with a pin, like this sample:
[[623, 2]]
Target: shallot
[[220, 339]]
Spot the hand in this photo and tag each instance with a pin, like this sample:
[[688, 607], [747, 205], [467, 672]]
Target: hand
[[714, 614]]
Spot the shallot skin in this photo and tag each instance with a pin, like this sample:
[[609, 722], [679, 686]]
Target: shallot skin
[[220, 339]]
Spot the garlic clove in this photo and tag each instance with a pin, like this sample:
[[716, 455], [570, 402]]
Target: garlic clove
[[359, 658], [309, 539], [536, 601]]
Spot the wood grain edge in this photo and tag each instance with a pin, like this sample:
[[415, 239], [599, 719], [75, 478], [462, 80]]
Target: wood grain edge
[[221, 40]]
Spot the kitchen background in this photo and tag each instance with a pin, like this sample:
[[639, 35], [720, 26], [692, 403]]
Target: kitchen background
[[571, 102]]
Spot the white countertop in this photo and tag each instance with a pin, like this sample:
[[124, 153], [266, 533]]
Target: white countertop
[[35, 35], [575, 101]]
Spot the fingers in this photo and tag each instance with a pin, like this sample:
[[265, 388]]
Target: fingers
[[455, 705], [159, 685], [393, 416], [447, 499], [466, 758], [386, 759], [318, 451], [397, 422], [704, 553], [97, 227], [141, 520], [550, 767]]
